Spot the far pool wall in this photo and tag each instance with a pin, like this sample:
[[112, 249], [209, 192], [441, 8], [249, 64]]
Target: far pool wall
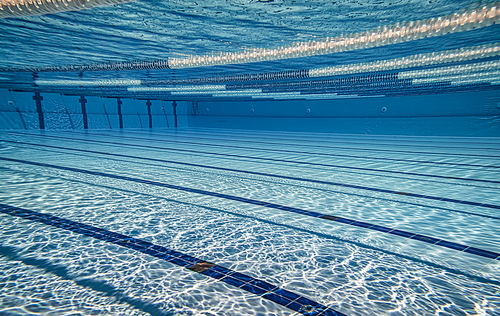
[[29, 110], [454, 114]]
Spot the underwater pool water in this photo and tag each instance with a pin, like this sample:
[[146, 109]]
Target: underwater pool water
[[247, 157], [226, 222]]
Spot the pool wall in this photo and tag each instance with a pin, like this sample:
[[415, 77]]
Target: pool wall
[[24, 110], [460, 114], [452, 114]]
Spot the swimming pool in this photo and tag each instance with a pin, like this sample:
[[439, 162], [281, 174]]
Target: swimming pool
[[249, 157], [358, 224]]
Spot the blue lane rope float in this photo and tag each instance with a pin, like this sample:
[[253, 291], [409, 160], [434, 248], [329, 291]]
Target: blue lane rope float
[[244, 282]]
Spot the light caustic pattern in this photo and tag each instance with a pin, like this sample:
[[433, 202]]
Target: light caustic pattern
[[19, 8], [349, 268], [384, 35]]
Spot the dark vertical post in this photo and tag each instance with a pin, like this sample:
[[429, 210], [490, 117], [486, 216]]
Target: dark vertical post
[[174, 104], [84, 112], [38, 100], [120, 117], [148, 103]]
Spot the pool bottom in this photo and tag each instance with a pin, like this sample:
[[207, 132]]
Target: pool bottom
[[303, 263], [279, 248], [258, 287]]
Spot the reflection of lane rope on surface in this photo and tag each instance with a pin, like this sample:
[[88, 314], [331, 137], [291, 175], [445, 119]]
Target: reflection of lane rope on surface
[[384, 35]]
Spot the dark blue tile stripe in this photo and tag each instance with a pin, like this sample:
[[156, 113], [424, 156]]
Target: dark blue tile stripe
[[324, 139], [275, 159], [232, 134], [276, 176], [334, 147], [239, 280], [300, 152], [338, 219]]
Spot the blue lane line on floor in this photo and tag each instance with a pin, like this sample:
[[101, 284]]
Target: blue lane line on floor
[[323, 137], [333, 155], [238, 171], [258, 287], [338, 219], [408, 152], [329, 138], [332, 139], [291, 151], [272, 159], [275, 176]]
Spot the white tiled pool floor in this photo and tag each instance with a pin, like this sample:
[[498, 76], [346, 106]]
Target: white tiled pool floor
[[355, 223]]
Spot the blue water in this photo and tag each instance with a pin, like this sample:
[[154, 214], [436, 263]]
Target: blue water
[[160, 29], [253, 188]]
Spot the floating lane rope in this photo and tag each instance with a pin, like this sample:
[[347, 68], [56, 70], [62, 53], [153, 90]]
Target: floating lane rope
[[385, 35]]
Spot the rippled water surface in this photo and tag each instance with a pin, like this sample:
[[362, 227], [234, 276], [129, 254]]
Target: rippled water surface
[[354, 270], [160, 29]]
